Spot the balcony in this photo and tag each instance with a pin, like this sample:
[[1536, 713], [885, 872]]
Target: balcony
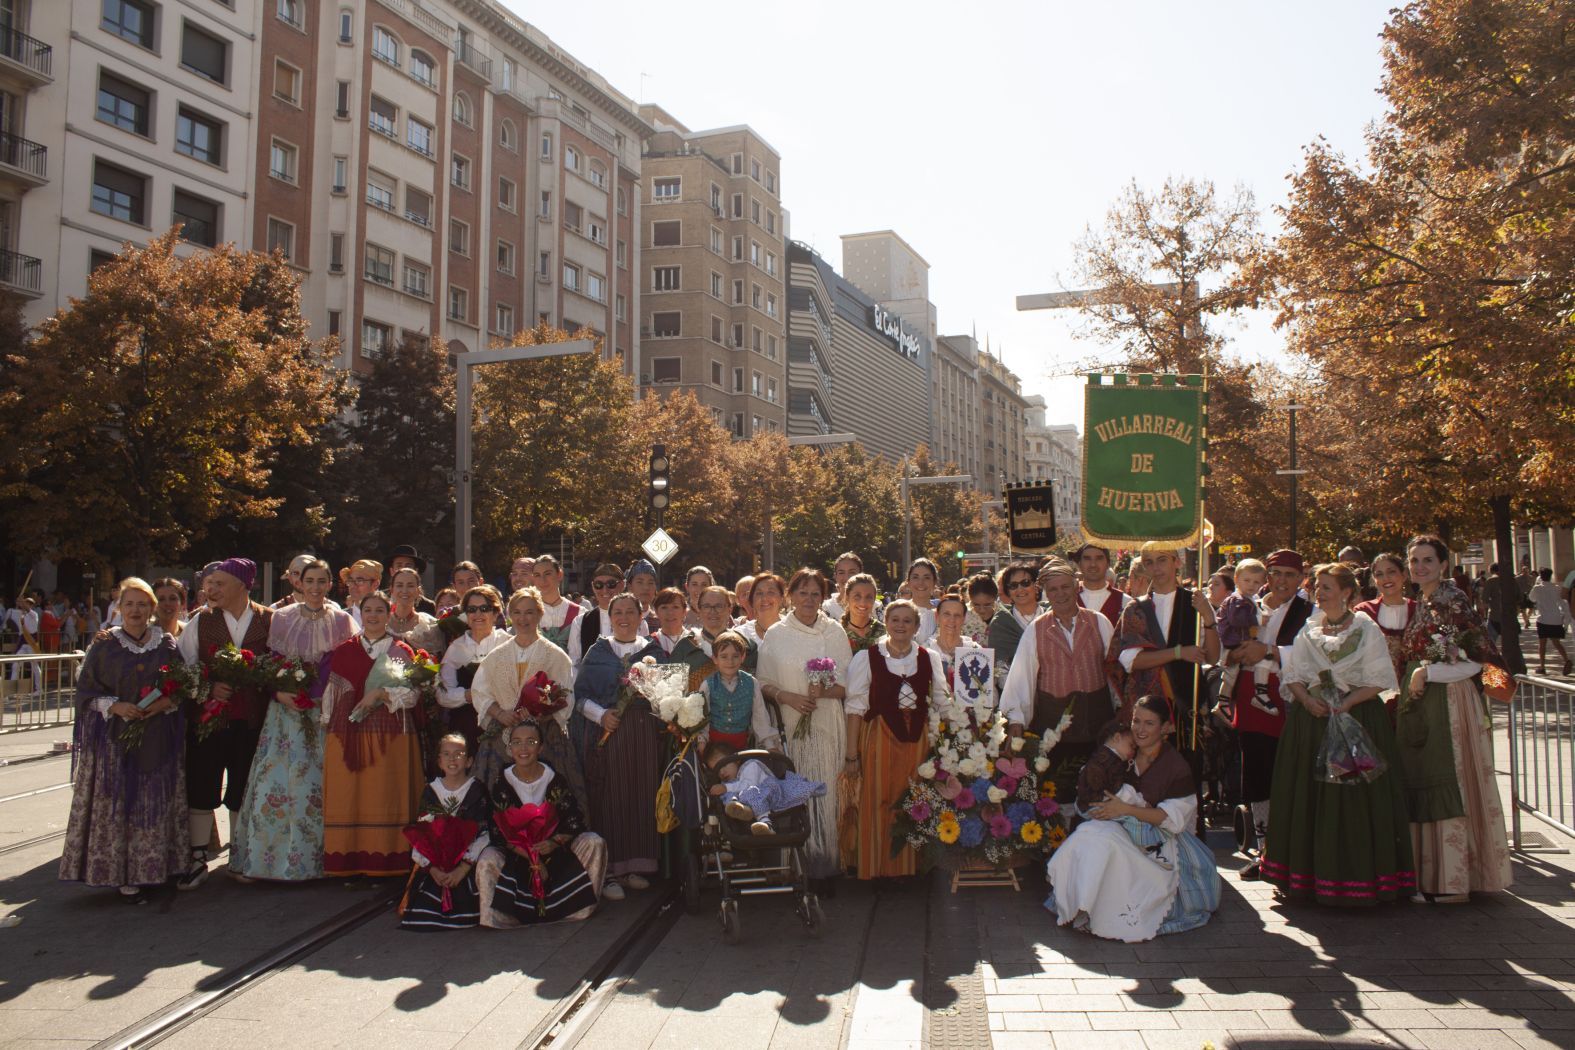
[[23, 54], [466, 52], [24, 159], [22, 274]]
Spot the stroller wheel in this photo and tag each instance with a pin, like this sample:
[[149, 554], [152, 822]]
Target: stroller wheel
[[732, 932], [1246, 839], [814, 919]]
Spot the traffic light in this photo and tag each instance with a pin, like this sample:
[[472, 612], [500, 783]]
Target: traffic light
[[961, 555], [658, 495]]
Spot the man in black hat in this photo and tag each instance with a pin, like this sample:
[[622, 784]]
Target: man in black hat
[[404, 556]]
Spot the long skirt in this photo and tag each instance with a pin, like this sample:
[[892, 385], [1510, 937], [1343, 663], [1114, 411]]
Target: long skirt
[[128, 825], [278, 833], [424, 909], [819, 756], [622, 776], [886, 766], [1465, 853], [570, 889], [1339, 844], [1105, 881], [364, 812], [492, 756]]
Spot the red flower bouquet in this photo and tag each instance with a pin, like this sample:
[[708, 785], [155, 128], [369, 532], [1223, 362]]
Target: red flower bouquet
[[443, 841], [540, 698], [526, 828]]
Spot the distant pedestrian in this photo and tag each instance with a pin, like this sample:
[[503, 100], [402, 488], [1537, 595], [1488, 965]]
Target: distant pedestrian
[[1553, 614], [1525, 581]]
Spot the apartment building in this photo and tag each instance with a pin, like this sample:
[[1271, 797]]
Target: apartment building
[[954, 423], [1002, 418], [433, 168], [713, 272], [1054, 453]]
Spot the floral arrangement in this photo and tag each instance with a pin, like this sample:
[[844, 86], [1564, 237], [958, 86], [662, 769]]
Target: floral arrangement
[[452, 624], [821, 673], [1451, 645], [980, 797], [227, 664], [422, 672], [1347, 754], [170, 685], [281, 674], [540, 697], [684, 713], [658, 683]]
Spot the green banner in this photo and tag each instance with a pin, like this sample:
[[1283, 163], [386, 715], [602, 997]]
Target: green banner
[[1143, 449]]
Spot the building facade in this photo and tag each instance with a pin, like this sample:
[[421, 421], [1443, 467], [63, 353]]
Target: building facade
[[713, 272], [954, 428], [1002, 418], [432, 168], [1054, 453]]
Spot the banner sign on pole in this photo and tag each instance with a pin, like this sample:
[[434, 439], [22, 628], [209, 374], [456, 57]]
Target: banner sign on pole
[[1030, 514], [1143, 459]]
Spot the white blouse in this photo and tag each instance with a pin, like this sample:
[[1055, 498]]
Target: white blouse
[[859, 677], [461, 651], [450, 800], [534, 792]]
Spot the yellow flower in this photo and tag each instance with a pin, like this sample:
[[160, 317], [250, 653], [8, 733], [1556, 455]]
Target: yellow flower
[[1032, 832], [1057, 836], [947, 831], [1047, 789]]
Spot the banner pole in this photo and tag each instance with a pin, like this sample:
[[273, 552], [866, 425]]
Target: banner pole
[[1203, 561]]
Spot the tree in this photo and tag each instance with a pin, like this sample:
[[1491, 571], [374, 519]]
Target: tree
[[157, 403], [846, 500], [945, 517], [703, 513], [1431, 288], [1206, 247]]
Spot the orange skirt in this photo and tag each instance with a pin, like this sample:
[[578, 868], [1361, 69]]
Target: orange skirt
[[887, 765], [363, 813]]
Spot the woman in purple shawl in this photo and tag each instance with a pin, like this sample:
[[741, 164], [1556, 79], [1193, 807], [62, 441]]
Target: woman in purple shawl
[[128, 806]]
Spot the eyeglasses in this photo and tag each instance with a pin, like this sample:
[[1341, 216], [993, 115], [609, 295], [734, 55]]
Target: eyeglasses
[[712, 607], [605, 585], [1019, 584], [476, 610], [365, 581]]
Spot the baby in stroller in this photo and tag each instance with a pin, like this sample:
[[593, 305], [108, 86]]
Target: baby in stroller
[[750, 792]]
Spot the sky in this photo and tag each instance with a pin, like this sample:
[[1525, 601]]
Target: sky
[[991, 142]]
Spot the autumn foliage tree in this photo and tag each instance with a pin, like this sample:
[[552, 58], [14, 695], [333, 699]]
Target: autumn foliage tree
[[157, 404]]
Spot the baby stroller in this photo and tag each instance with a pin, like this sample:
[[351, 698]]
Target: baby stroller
[[717, 846]]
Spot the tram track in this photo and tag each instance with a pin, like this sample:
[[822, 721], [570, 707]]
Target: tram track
[[38, 791], [38, 840]]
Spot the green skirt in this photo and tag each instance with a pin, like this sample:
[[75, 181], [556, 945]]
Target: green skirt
[[1339, 844]]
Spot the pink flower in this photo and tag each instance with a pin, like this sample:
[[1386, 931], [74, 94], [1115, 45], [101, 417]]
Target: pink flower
[[1000, 827], [919, 811], [1047, 807], [950, 789], [1016, 768], [964, 799], [1008, 785]]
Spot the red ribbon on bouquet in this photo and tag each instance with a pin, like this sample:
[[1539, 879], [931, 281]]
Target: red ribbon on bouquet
[[527, 827], [443, 841]]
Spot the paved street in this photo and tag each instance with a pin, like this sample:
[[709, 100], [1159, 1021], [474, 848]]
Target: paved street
[[899, 966]]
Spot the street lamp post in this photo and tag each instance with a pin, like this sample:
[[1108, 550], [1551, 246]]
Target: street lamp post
[[1295, 472], [463, 363], [907, 514]]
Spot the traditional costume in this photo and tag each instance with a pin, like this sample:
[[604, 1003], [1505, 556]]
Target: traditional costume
[[1107, 601], [371, 768], [572, 882], [893, 695], [1339, 844], [499, 681], [558, 622], [279, 834], [621, 774], [695, 651], [1059, 676], [1393, 621], [426, 906], [420, 631], [858, 641], [128, 824], [1006, 630], [737, 711], [1446, 756], [461, 661], [588, 627]]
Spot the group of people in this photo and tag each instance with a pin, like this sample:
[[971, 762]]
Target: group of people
[[533, 738]]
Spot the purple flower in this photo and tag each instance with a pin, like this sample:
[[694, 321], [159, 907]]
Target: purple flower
[[919, 811], [965, 799], [1047, 807], [1000, 827]]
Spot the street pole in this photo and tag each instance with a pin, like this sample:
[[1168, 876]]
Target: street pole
[[462, 364], [907, 515], [1295, 472], [984, 520]]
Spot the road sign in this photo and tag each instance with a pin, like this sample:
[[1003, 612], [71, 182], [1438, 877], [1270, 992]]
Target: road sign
[[659, 546], [1470, 559], [1235, 548], [1208, 532]]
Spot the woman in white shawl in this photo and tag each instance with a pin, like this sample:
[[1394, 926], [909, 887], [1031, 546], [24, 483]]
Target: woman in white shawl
[[820, 754], [495, 694]]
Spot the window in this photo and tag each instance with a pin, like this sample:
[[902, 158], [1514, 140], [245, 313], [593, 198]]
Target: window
[[771, 304], [503, 319], [375, 338], [507, 137], [771, 222], [754, 253], [738, 249], [341, 173], [336, 253], [771, 181], [346, 26], [716, 284], [664, 279], [281, 160], [738, 206], [598, 174], [544, 266], [738, 164], [286, 82], [198, 219], [754, 297], [667, 370], [130, 20], [458, 304], [596, 230], [505, 257], [619, 307], [716, 373], [738, 293], [666, 189], [667, 324], [771, 390], [621, 253], [383, 117], [342, 99], [716, 198], [199, 137], [418, 206], [623, 202], [203, 53], [458, 237], [596, 287], [754, 169], [716, 240], [333, 322], [281, 238], [754, 334], [546, 145], [754, 212], [738, 380], [738, 344], [462, 109], [506, 193], [380, 190], [738, 424], [571, 158], [544, 209], [418, 136], [771, 347], [418, 279], [123, 105], [385, 46], [755, 424], [771, 263], [571, 277], [422, 69], [459, 171], [379, 264], [754, 384], [716, 337], [667, 234], [573, 215], [289, 11]]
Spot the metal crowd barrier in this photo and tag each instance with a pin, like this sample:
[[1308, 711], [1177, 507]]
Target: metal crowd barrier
[[38, 690], [1542, 753]]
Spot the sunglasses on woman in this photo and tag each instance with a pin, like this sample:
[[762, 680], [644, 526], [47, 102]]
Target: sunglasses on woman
[[1020, 583], [605, 585], [476, 610]]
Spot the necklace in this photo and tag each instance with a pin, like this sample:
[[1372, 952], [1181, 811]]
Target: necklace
[[1336, 624], [309, 613]]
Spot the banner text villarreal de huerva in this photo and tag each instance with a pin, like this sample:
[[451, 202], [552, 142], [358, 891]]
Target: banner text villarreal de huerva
[[1142, 463]]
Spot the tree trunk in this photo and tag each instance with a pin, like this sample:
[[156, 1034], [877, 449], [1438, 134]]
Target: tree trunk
[[1509, 590]]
